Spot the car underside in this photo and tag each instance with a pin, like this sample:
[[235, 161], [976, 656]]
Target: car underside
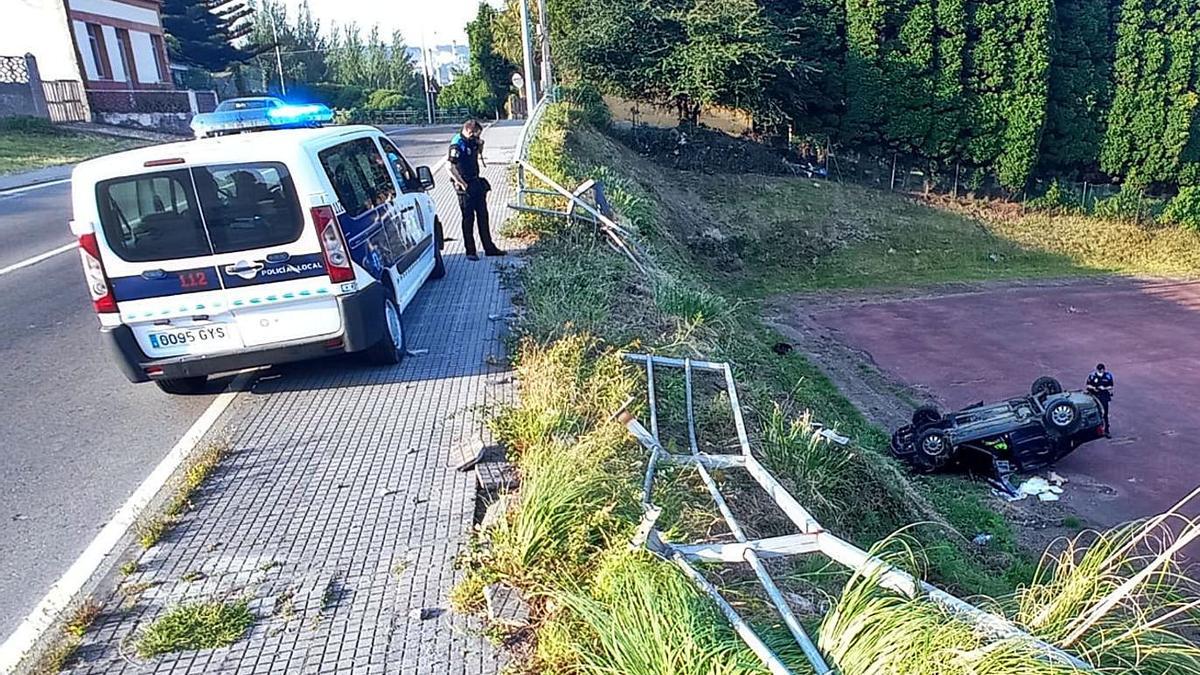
[[1024, 433]]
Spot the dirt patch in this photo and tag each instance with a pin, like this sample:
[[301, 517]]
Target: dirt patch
[[705, 151], [958, 344]]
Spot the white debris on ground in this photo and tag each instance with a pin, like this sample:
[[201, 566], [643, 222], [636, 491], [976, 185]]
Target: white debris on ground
[[1041, 488]]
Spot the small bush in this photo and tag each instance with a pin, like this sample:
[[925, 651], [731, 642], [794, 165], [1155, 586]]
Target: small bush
[[1184, 209], [1055, 200], [389, 99], [201, 625], [24, 124]]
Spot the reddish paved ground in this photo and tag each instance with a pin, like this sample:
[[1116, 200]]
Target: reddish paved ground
[[992, 344]]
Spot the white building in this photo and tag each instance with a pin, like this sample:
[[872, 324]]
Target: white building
[[120, 44], [41, 28]]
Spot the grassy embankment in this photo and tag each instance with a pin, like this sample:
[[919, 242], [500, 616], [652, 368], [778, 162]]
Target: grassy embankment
[[28, 143], [599, 607]]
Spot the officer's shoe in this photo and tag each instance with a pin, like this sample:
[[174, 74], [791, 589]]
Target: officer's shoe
[[473, 256], [495, 253]]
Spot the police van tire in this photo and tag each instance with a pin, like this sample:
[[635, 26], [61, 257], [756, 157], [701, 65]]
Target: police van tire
[[390, 349], [439, 267], [183, 386]]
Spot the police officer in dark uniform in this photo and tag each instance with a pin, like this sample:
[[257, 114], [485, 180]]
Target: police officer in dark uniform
[[466, 153], [1100, 385]]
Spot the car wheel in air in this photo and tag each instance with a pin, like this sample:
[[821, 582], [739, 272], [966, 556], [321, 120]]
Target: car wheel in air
[[183, 386], [1062, 416], [926, 415], [1047, 386], [933, 449], [390, 348]]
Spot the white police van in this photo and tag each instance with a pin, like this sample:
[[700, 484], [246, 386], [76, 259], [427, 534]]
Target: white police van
[[235, 251]]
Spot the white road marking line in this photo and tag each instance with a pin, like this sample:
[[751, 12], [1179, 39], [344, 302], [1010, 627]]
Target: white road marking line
[[29, 188], [62, 592], [37, 258]]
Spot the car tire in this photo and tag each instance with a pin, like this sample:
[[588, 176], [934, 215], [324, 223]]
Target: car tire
[[183, 386], [439, 266], [1046, 385], [1062, 417], [934, 449], [390, 349], [926, 415]]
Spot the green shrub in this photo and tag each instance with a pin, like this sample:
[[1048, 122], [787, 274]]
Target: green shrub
[[1184, 209], [1055, 199], [26, 124], [1125, 205], [390, 99], [590, 101], [342, 96]]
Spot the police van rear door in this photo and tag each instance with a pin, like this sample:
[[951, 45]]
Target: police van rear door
[[196, 253], [267, 253]]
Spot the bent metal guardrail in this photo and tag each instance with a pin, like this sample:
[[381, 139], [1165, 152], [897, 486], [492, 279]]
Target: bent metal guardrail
[[811, 538]]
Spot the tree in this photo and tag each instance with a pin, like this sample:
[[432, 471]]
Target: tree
[[469, 90], [486, 64], [1081, 57], [1154, 112], [202, 32], [1007, 85]]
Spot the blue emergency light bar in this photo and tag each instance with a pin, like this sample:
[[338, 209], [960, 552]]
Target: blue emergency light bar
[[260, 119]]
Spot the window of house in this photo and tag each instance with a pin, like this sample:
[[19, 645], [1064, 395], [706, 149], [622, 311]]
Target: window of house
[[160, 50], [99, 54], [126, 52]]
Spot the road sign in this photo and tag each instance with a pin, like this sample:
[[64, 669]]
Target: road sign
[[518, 81]]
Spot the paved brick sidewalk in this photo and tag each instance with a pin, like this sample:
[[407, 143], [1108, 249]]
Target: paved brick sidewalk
[[337, 514]]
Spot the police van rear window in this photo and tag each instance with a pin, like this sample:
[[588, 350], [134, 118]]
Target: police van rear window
[[199, 211]]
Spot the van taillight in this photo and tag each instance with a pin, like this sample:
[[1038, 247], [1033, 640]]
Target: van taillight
[[93, 272], [333, 245]]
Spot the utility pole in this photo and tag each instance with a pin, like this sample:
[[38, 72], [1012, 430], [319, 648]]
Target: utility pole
[[527, 50], [425, 72], [544, 29], [278, 56]]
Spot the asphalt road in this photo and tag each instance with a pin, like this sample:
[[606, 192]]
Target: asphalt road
[[76, 438], [989, 345]]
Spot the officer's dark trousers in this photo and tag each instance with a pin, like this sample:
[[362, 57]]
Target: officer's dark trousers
[[1104, 405], [473, 203]]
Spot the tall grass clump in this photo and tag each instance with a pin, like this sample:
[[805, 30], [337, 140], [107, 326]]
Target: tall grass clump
[[644, 617], [1115, 599]]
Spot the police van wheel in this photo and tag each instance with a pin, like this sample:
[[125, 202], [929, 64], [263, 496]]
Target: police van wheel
[[439, 267], [390, 348], [182, 386]]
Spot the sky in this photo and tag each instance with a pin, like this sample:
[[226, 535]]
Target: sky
[[441, 21]]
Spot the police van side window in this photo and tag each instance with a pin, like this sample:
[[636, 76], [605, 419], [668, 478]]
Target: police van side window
[[152, 217], [359, 177], [408, 177]]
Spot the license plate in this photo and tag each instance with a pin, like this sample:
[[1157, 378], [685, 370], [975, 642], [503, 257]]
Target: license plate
[[207, 336]]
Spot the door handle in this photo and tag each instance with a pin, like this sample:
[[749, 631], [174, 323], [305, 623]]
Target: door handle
[[242, 267]]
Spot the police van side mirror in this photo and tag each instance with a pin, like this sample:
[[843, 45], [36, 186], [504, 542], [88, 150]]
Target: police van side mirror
[[425, 176]]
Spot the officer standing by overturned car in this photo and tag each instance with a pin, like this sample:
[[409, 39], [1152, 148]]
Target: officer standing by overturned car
[[466, 153], [1100, 385]]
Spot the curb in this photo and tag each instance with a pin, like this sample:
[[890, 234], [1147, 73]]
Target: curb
[[38, 630], [28, 179]]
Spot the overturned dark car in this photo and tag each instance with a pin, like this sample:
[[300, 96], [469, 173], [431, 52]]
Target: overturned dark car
[[1025, 433]]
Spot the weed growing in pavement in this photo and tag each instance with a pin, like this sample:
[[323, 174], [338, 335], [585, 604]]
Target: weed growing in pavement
[[151, 529], [129, 567], [61, 652], [199, 625]]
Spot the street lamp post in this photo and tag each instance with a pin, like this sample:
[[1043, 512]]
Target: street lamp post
[[544, 30], [527, 49], [278, 55], [425, 71]]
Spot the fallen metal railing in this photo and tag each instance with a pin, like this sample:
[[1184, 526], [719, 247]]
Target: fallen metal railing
[[812, 538]]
